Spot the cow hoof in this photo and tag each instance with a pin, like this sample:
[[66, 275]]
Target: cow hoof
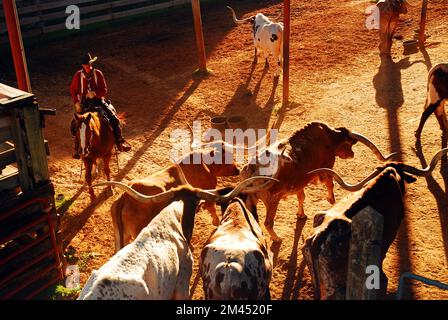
[[215, 223], [331, 200]]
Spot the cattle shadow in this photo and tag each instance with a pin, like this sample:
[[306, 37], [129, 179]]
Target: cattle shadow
[[244, 102], [294, 275], [440, 194], [389, 96]]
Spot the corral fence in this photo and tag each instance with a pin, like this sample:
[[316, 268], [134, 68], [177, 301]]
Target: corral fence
[[38, 17]]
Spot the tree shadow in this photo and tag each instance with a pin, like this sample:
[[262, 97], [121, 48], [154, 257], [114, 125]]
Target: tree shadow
[[294, 276]]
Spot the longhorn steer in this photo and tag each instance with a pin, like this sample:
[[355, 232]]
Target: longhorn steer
[[158, 263], [130, 216], [326, 250], [235, 262], [314, 146], [390, 11], [267, 36], [437, 94]]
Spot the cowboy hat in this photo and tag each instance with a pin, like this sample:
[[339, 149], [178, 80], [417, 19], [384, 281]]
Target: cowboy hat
[[88, 59]]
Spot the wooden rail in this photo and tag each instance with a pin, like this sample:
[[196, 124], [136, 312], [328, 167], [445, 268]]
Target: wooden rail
[[41, 18]]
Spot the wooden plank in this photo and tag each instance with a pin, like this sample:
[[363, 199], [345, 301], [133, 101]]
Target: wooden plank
[[9, 179], [5, 129], [23, 166], [365, 250], [87, 9], [7, 156], [35, 142], [155, 7]]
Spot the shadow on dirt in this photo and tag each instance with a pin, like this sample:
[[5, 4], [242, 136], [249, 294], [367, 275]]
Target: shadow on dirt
[[389, 96], [440, 193]]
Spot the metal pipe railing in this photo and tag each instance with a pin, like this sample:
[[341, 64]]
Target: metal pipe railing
[[427, 281]]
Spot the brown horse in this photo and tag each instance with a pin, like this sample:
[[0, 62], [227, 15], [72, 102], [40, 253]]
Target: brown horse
[[96, 141]]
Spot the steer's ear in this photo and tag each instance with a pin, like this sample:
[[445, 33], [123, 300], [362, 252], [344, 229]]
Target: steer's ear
[[77, 116], [89, 116], [252, 20]]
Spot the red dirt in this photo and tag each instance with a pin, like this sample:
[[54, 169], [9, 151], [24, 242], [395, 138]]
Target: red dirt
[[335, 78]]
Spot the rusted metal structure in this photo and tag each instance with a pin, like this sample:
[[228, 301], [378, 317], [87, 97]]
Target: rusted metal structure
[[30, 248]]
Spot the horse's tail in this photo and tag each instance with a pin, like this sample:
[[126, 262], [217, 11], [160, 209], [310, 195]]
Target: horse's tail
[[117, 221]]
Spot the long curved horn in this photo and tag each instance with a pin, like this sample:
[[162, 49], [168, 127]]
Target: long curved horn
[[278, 17], [182, 177], [342, 183], [209, 195], [428, 170], [371, 146], [161, 197], [411, 3], [235, 19]]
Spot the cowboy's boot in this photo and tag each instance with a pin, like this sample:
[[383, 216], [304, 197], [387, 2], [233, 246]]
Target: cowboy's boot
[[122, 145]]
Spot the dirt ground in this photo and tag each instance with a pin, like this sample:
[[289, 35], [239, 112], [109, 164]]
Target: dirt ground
[[336, 77]]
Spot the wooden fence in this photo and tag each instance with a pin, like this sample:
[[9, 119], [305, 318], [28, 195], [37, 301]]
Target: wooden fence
[[39, 17]]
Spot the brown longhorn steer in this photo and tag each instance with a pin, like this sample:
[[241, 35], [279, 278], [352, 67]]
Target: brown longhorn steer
[[326, 250], [314, 146], [130, 216], [390, 11]]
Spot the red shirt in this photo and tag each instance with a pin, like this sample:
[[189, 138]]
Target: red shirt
[[81, 81]]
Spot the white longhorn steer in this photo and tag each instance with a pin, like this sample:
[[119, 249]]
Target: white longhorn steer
[[157, 265], [267, 36]]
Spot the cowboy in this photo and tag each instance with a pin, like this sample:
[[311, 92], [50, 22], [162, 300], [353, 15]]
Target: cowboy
[[88, 90]]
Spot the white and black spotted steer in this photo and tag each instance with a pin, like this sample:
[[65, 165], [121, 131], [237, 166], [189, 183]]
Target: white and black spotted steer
[[235, 263], [267, 36]]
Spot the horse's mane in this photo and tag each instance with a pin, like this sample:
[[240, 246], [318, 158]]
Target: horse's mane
[[306, 138], [96, 122]]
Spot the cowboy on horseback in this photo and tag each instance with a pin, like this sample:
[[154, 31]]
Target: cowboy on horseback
[[88, 90]]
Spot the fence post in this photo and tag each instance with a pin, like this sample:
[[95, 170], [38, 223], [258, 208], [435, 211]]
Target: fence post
[[15, 40], [422, 36], [286, 36], [365, 250], [199, 35]]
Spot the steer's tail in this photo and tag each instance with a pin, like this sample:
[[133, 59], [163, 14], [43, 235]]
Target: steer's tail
[[117, 221], [226, 274]]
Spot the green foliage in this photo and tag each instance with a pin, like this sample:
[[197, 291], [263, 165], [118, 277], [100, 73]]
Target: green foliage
[[62, 293]]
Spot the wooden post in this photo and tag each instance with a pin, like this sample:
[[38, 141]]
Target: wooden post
[[365, 250], [199, 35], [421, 36], [286, 35], [15, 40]]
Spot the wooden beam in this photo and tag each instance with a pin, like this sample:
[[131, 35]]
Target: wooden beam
[[195, 4], [422, 36], [286, 36], [15, 40]]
